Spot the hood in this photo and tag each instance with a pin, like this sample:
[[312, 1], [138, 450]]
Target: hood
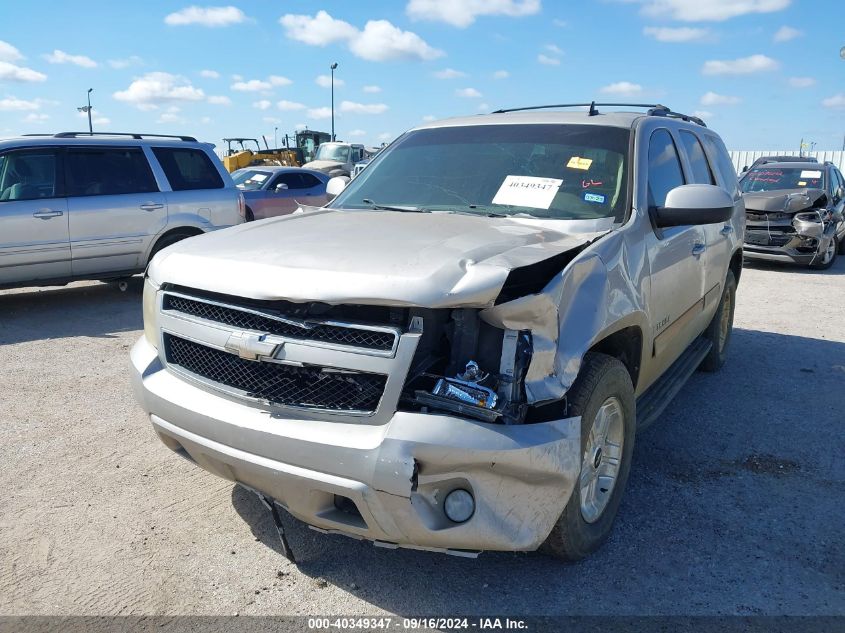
[[323, 165], [784, 200], [366, 257]]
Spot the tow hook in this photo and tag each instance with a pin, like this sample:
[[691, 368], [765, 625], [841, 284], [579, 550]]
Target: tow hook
[[270, 504]]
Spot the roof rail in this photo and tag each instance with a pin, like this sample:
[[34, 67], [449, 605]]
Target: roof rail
[[134, 135], [653, 109]]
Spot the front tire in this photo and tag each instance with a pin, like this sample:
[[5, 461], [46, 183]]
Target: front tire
[[825, 260], [721, 327], [603, 396]]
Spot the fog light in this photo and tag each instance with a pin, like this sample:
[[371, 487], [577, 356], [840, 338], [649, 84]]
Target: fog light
[[459, 506]]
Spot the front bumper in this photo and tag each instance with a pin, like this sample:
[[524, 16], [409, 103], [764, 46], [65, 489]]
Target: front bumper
[[776, 254], [396, 474]]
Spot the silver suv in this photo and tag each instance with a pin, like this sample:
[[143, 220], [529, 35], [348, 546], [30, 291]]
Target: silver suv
[[456, 353], [80, 206]]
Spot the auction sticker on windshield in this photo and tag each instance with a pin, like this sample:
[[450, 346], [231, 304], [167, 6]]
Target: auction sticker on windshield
[[528, 191], [811, 174]]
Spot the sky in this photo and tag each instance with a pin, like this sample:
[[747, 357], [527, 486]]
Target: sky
[[764, 74]]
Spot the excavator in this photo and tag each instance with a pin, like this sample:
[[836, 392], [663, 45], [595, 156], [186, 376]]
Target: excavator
[[240, 152]]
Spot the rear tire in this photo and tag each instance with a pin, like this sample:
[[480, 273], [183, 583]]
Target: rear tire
[[169, 240], [603, 396], [720, 328]]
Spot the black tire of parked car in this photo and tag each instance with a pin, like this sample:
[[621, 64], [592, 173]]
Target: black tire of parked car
[[168, 240], [250, 216], [601, 377], [820, 264], [719, 350]]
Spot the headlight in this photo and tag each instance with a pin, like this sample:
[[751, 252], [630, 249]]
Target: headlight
[[150, 312]]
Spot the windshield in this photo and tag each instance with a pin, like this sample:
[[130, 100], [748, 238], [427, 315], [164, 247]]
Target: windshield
[[772, 178], [250, 179], [335, 153], [547, 171]]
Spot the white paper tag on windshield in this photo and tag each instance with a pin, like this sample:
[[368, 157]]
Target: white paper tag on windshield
[[259, 177], [811, 174], [528, 191]]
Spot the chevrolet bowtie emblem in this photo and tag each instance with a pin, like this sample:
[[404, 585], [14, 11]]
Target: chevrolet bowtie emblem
[[250, 346]]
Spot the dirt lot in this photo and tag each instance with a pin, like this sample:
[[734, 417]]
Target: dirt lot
[[734, 506]]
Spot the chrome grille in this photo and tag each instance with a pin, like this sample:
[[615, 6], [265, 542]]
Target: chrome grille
[[340, 334], [277, 383]]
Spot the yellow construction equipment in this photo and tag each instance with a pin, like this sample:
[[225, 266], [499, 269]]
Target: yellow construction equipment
[[241, 154]]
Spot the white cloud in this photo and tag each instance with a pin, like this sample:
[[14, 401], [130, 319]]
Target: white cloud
[[170, 117], [712, 99], [289, 105], [708, 10], [501, 74], [219, 100], [429, 117], [206, 16], [271, 119], [362, 108], [96, 119], [253, 85], [300, 126], [325, 81], [210, 74], [385, 136], [801, 82], [157, 87], [381, 41], [321, 30], [469, 93], [277, 80], [742, 66], [237, 77], [703, 114], [372, 89], [206, 120], [132, 60], [60, 57], [356, 133], [786, 33], [623, 88], [263, 104], [11, 72], [554, 48], [548, 61], [9, 53], [319, 113], [675, 35], [462, 13], [449, 73], [836, 101], [378, 41], [483, 107], [36, 117], [13, 103]]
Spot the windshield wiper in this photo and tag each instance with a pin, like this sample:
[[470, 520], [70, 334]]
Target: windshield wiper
[[387, 207]]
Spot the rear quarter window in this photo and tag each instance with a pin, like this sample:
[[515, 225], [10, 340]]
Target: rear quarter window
[[722, 161], [188, 168]]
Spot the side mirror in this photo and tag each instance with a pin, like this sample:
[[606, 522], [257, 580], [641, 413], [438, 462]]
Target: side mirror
[[745, 168], [695, 204], [281, 187], [840, 193], [335, 186]]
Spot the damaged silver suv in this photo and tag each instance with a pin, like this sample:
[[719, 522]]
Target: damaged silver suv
[[455, 354]]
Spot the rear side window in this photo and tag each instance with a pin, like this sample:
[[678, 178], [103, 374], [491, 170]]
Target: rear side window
[[292, 180], [188, 168], [28, 175], [722, 161], [664, 168], [310, 181], [103, 171], [701, 173]]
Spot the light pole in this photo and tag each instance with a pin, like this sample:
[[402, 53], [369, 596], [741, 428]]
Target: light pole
[[333, 66], [275, 138], [88, 110]]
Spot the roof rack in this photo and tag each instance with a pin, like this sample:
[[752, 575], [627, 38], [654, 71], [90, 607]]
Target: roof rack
[[653, 109], [134, 135]]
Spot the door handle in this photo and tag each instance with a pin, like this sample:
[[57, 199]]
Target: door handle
[[152, 206], [46, 214], [698, 249], [727, 230]]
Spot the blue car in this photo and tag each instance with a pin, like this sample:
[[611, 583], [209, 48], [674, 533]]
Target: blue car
[[270, 191]]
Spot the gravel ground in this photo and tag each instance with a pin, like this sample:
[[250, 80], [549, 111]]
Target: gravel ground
[[734, 505]]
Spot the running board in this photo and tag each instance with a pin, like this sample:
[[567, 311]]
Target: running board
[[656, 398]]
